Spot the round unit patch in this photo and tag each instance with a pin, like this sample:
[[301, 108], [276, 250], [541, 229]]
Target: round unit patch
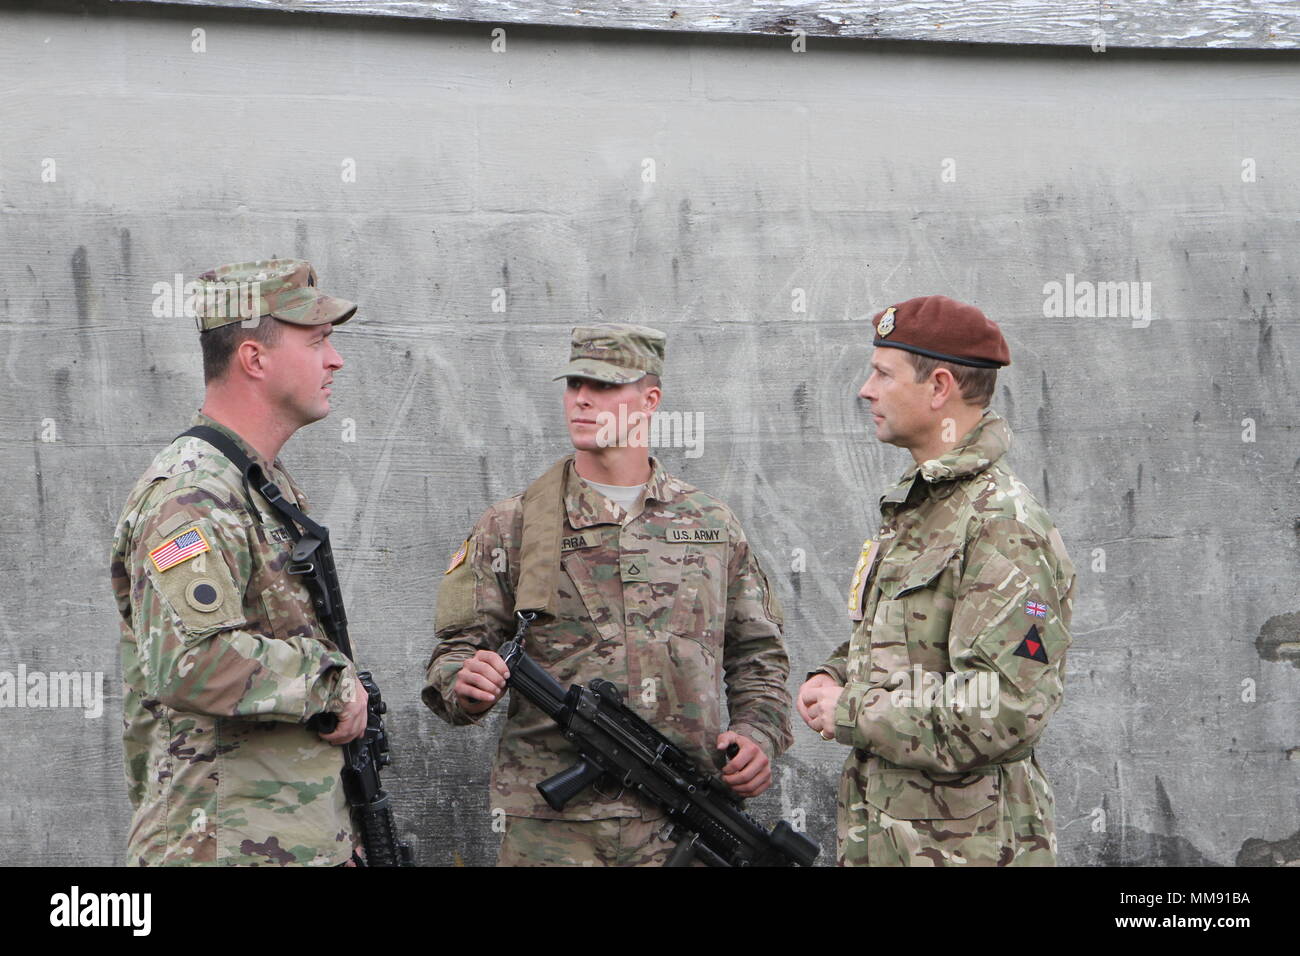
[[203, 595]]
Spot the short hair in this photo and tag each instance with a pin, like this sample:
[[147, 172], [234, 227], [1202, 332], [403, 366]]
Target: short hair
[[648, 380], [220, 344], [975, 385]]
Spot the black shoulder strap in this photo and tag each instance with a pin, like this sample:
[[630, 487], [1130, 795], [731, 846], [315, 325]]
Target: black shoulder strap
[[254, 476], [312, 556]]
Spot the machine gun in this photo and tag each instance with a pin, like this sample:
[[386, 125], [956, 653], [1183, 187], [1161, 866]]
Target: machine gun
[[705, 817], [362, 758]]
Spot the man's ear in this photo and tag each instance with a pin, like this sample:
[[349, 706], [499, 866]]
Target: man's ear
[[251, 355], [651, 398], [945, 387]]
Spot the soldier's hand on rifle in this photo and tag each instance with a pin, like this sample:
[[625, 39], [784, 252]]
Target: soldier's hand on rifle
[[818, 698], [352, 722], [481, 682], [748, 773]]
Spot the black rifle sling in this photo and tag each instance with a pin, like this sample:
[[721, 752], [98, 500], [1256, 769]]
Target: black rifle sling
[[297, 521]]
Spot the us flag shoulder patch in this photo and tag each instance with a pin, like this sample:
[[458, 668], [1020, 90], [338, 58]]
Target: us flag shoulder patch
[[458, 558], [182, 547]]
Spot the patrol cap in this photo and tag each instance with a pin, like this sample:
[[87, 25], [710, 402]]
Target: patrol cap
[[615, 353], [284, 289], [942, 328]]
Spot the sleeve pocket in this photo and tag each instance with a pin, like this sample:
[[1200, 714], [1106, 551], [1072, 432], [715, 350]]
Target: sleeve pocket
[[771, 603], [204, 600], [454, 609], [987, 617]]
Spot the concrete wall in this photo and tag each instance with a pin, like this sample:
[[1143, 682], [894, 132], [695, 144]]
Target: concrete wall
[[774, 172]]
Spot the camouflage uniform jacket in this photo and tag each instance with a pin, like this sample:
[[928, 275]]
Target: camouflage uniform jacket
[[223, 661], [971, 583], [665, 601]]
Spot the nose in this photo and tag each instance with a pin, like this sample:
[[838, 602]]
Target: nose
[[333, 360], [866, 391]]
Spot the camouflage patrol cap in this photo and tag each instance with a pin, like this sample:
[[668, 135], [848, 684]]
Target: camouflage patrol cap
[[942, 328], [284, 289], [615, 353]]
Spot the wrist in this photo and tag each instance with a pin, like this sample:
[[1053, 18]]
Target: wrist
[[344, 692], [471, 710]]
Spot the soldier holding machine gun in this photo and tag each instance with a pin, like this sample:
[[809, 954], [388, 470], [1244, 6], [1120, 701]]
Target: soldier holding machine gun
[[636, 578], [248, 731]]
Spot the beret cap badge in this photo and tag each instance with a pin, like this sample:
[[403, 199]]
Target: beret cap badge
[[886, 324]]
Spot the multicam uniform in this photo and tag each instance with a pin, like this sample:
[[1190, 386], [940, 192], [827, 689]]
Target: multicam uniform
[[223, 661], [665, 601], [968, 577]]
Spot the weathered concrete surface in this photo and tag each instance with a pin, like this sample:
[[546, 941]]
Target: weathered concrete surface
[[774, 172]]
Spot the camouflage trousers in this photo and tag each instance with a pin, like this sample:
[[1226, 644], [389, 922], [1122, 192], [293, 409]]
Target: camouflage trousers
[[999, 815], [619, 841]]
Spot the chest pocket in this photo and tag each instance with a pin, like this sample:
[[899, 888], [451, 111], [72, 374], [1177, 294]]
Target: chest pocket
[[696, 628], [700, 603], [285, 601], [910, 625], [601, 609], [901, 574]]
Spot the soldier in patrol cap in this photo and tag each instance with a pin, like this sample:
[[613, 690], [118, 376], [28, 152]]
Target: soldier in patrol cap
[[960, 606], [658, 591], [223, 659]]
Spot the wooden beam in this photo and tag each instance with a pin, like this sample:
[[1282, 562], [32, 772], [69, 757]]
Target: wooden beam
[[1189, 24]]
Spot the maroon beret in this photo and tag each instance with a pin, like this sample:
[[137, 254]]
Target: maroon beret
[[942, 328]]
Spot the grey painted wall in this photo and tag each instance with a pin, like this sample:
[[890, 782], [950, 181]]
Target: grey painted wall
[[774, 172]]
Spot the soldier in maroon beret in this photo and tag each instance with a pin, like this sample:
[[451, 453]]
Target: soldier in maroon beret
[[960, 607], [951, 346]]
